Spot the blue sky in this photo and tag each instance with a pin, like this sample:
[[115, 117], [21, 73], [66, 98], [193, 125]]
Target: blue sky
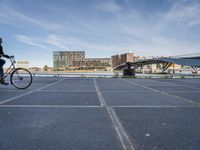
[[32, 29]]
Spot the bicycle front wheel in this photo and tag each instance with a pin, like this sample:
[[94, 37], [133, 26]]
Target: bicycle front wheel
[[21, 78]]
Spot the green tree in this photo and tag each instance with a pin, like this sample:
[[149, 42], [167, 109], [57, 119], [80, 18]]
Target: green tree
[[45, 68]]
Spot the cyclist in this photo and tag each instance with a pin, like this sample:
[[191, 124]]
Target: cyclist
[[2, 62]]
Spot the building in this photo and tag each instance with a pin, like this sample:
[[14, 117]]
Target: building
[[23, 64], [35, 69], [72, 60], [175, 66], [115, 60], [64, 59], [127, 57], [123, 58], [101, 61], [93, 62]]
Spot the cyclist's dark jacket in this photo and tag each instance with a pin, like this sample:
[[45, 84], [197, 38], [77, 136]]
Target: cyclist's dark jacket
[[1, 52]]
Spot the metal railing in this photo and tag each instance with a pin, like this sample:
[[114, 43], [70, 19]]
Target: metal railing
[[194, 55], [115, 75]]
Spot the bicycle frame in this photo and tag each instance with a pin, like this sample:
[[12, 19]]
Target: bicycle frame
[[16, 75], [10, 69]]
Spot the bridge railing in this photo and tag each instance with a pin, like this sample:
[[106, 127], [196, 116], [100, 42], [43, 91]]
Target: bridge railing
[[187, 56]]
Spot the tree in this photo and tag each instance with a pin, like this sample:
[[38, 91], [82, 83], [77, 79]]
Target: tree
[[45, 68]]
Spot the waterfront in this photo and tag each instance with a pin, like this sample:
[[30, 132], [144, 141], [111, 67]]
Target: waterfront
[[185, 74]]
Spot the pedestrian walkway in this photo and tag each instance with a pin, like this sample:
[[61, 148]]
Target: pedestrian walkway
[[101, 113]]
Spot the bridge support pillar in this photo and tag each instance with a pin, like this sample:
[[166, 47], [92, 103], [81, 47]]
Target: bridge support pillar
[[129, 71]]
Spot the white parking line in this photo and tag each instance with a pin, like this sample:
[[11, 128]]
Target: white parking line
[[196, 88], [6, 90], [30, 92], [99, 93], [123, 137], [71, 91], [146, 106], [190, 81], [48, 106], [127, 145], [86, 106], [184, 92], [146, 87], [128, 91]]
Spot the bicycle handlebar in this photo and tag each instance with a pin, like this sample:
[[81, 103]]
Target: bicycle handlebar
[[12, 58]]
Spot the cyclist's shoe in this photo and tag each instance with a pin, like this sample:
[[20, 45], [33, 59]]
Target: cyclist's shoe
[[3, 82]]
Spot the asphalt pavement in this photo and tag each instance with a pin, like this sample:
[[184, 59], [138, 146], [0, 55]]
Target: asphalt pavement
[[57, 113]]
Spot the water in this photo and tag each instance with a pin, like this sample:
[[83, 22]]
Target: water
[[183, 74], [87, 74]]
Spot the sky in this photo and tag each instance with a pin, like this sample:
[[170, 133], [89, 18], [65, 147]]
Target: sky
[[32, 30]]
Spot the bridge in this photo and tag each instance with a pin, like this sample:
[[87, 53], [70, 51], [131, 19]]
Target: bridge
[[192, 60], [191, 56]]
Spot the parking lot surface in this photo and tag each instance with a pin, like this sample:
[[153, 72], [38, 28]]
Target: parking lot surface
[[102, 114]]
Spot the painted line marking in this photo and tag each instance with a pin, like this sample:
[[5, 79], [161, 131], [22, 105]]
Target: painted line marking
[[48, 106], [164, 93], [149, 91], [149, 81], [123, 137], [81, 91], [86, 106], [30, 92], [140, 106], [189, 81], [10, 90], [196, 88], [184, 92], [120, 130], [128, 91], [100, 96]]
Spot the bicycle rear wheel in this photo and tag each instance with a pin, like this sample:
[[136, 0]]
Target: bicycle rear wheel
[[21, 78]]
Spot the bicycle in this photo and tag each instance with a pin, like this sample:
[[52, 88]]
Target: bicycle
[[21, 78]]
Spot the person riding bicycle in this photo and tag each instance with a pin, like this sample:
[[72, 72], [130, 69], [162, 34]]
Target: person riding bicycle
[[2, 62]]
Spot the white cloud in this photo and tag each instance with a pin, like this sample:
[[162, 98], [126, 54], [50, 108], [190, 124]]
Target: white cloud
[[156, 45], [36, 42], [128, 31], [9, 15], [162, 45], [109, 6], [64, 43], [42, 42], [54, 40], [183, 13]]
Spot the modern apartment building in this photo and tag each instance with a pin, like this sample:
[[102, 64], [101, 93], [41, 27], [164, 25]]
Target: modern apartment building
[[64, 59], [102, 61], [93, 62]]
